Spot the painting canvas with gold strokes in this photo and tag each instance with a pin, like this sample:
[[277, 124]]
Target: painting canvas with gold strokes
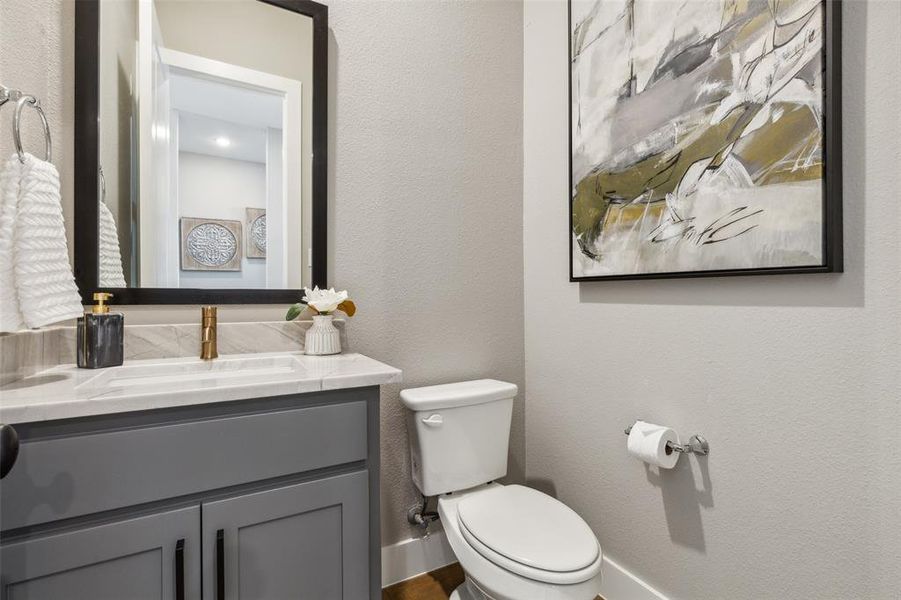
[[700, 134]]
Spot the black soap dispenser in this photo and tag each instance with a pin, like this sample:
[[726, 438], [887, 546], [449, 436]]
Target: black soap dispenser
[[101, 336]]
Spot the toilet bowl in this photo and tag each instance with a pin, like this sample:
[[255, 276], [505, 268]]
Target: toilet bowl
[[513, 546], [513, 542]]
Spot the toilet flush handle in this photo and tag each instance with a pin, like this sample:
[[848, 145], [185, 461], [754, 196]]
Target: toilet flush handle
[[433, 420]]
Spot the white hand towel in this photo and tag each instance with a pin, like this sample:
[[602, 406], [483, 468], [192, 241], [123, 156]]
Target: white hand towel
[[43, 277], [11, 318], [111, 274]]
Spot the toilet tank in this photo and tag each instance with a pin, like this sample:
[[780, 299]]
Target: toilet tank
[[459, 433]]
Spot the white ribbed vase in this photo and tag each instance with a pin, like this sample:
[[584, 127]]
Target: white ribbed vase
[[323, 337]]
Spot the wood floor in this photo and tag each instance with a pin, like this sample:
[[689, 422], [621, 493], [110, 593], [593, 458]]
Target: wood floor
[[436, 585]]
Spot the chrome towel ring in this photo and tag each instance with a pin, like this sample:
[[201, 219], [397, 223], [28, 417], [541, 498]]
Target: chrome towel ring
[[21, 100], [17, 134]]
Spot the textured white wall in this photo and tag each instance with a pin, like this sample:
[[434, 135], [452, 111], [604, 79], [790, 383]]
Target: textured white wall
[[36, 40], [427, 210], [793, 379], [425, 180]]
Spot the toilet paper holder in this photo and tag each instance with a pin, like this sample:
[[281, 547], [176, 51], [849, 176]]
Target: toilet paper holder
[[696, 445]]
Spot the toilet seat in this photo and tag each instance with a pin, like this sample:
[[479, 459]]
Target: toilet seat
[[531, 534]]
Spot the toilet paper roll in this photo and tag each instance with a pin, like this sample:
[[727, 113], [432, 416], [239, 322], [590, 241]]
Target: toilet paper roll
[[647, 442]]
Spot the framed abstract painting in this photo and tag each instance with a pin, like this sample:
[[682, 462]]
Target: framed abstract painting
[[705, 138]]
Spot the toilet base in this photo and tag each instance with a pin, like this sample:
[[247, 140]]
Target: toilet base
[[455, 595], [468, 591]]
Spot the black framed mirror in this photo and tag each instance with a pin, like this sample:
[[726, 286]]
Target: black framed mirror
[[200, 150]]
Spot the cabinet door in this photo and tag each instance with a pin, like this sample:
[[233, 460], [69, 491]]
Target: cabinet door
[[307, 541], [155, 557]]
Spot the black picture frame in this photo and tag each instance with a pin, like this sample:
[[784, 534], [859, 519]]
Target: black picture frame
[[86, 183], [832, 166]]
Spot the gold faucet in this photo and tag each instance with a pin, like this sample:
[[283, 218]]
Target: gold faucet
[[208, 348]]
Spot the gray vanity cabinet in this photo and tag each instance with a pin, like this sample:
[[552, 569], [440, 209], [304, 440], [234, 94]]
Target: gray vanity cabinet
[[301, 541], [263, 499], [154, 557]]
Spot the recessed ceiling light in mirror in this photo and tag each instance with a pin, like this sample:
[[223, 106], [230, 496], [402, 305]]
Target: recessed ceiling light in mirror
[[223, 142]]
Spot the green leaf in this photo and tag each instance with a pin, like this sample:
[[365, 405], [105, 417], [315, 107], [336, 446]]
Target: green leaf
[[294, 311]]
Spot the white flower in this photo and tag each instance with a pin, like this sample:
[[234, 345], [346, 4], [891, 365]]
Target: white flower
[[324, 301]]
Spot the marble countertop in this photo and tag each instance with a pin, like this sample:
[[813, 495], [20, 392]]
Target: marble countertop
[[66, 391]]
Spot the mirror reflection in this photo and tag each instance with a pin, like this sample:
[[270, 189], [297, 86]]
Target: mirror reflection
[[205, 147]]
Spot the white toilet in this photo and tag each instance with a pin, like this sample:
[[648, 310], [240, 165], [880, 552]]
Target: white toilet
[[513, 542]]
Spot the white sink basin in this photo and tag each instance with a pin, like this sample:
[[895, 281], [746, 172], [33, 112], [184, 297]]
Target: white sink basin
[[194, 373]]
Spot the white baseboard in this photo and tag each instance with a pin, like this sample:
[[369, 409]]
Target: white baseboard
[[619, 584], [415, 556]]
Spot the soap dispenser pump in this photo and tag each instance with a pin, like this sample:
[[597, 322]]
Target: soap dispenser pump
[[101, 336]]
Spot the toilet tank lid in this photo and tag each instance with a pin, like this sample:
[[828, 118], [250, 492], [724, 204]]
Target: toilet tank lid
[[453, 395]]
